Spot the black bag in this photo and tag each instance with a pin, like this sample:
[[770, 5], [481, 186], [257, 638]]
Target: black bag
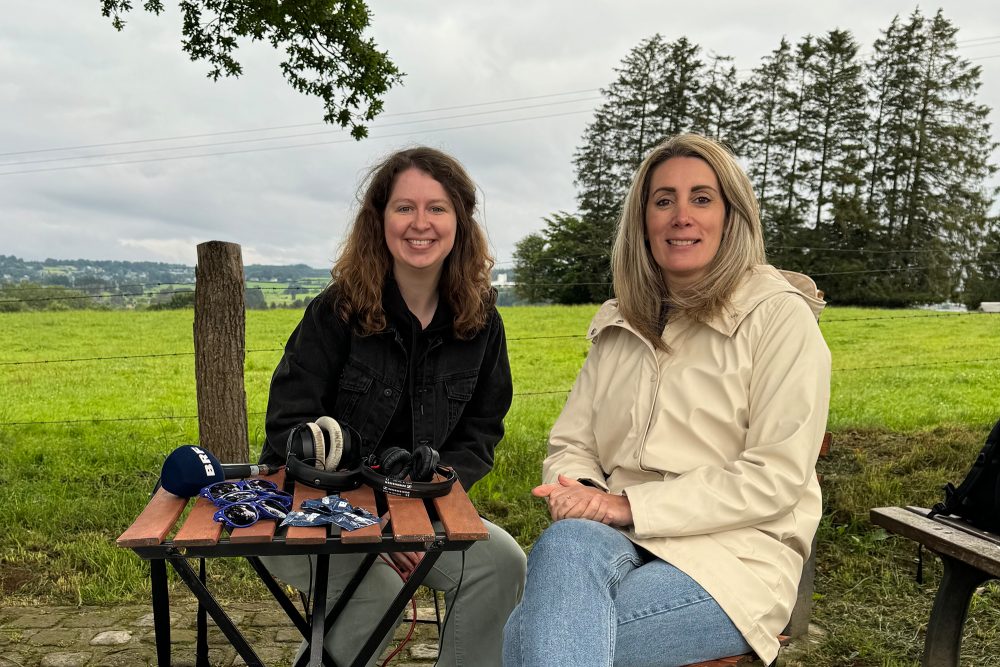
[[977, 498]]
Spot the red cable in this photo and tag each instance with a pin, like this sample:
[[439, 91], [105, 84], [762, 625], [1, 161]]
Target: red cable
[[413, 620]]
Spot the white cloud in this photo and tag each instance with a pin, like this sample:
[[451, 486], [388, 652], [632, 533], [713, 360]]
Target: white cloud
[[67, 79]]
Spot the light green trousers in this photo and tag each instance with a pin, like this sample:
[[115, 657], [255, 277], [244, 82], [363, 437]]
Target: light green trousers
[[492, 580]]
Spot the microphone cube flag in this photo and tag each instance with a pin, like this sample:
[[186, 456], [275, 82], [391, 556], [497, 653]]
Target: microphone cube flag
[[189, 468]]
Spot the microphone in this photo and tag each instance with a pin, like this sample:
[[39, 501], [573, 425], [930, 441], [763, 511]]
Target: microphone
[[189, 468], [241, 470]]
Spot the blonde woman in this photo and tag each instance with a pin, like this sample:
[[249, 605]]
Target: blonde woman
[[680, 475]]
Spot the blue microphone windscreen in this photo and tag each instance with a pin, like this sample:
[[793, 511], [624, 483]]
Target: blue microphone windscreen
[[187, 469]]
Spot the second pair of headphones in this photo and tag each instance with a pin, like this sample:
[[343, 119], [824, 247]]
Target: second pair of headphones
[[401, 473], [324, 455]]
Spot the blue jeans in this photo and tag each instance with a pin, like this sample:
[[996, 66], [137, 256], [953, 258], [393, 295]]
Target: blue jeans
[[593, 598]]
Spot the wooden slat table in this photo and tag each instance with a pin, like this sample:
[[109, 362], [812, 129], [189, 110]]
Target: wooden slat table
[[409, 528], [970, 557]]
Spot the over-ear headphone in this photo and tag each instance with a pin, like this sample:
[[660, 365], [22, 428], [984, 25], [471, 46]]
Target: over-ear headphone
[[396, 465], [325, 455]]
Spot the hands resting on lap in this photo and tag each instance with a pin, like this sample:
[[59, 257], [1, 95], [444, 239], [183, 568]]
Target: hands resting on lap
[[570, 499]]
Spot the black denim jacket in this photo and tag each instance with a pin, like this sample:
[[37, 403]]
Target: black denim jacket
[[459, 395]]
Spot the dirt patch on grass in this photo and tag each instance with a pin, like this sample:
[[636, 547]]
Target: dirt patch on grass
[[13, 578]]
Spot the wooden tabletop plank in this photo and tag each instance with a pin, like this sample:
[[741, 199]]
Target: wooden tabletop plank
[[939, 537], [410, 522], [263, 530], [199, 529], [364, 498], [155, 521], [459, 517], [306, 534]]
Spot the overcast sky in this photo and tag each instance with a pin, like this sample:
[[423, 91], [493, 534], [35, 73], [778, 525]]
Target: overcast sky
[[506, 86]]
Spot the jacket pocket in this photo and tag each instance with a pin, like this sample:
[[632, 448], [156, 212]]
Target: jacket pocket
[[354, 384], [459, 392]]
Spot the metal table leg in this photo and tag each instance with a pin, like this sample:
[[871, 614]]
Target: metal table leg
[[951, 607], [218, 614], [398, 603], [319, 610], [161, 610], [201, 651]]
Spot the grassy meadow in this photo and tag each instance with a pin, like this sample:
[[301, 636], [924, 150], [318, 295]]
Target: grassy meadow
[[91, 402]]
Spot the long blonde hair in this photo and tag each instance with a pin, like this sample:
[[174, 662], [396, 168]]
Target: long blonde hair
[[644, 298], [364, 262]]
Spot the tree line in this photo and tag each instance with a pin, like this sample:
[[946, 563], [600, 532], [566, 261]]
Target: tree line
[[871, 170]]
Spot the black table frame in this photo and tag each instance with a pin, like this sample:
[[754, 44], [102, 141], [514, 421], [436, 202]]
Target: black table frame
[[313, 630]]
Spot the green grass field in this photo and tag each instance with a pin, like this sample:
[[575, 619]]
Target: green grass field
[[91, 403]]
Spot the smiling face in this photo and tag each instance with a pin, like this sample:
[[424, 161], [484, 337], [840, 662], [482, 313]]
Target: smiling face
[[685, 216], [420, 223]]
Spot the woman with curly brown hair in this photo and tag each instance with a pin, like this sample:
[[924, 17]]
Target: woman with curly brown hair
[[406, 348]]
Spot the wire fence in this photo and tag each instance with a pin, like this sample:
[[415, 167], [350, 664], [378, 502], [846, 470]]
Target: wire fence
[[515, 339]]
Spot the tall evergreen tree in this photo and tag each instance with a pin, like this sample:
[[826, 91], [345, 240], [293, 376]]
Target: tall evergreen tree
[[565, 263], [720, 107], [833, 163], [654, 94], [680, 87], [770, 100], [530, 263], [800, 139], [837, 94], [928, 190]]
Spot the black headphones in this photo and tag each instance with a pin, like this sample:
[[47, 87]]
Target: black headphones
[[324, 455], [396, 465]]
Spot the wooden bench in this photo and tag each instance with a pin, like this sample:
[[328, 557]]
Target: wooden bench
[[409, 528], [798, 624], [970, 557]]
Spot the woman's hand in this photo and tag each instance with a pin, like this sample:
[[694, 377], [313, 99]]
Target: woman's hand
[[569, 499], [406, 561]]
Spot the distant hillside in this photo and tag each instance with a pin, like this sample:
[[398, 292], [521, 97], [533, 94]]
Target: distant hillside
[[58, 284], [107, 274]]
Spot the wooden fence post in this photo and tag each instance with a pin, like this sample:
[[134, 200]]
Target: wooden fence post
[[219, 351]]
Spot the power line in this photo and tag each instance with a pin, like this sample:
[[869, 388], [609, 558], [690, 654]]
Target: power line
[[969, 43], [285, 136], [844, 273], [308, 145], [877, 252], [288, 127]]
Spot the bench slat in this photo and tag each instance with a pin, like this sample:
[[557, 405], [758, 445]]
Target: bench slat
[[726, 662], [824, 448], [410, 522], [956, 522], [941, 538], [306, 534], [155, 521], [364, 498], [199, 529], [459, 517]]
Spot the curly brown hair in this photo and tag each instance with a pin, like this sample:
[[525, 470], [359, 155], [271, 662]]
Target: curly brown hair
[[364, 262]]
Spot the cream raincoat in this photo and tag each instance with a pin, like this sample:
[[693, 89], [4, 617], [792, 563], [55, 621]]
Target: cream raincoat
[[714, 443]]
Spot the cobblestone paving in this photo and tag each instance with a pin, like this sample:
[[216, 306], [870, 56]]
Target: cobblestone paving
[[122, 636]]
